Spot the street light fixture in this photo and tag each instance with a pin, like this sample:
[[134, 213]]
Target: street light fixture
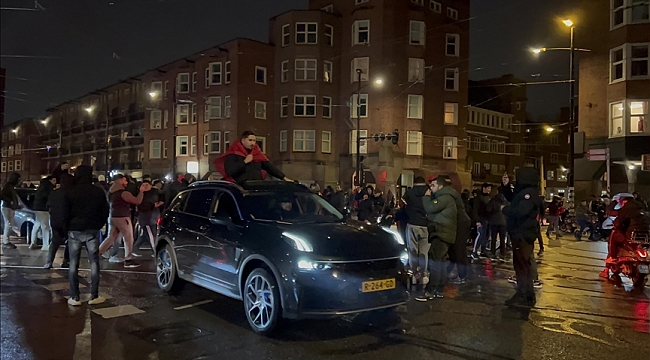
[[550, 129], [153, 94], [89, 109], [568, 22], [377, 82]]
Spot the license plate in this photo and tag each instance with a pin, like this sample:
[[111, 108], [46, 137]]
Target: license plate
[[643, 269], [377, 285]]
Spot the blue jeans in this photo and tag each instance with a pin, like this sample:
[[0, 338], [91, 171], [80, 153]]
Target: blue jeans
[[481, 238], [76, 239], [585, 224]]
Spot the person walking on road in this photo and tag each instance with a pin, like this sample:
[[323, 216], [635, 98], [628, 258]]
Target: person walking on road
[[9, 205], [120, 221], [148, 214], [41, 214], [85, 213], [56, 206], [522, 218], [481, 218], [417, 232]]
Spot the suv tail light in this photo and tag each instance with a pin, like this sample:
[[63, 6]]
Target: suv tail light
[[642, 253], [159, 221]]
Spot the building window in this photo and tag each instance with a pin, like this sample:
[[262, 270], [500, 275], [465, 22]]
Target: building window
[[629, 12], [193, 145], [328, 68], [306, 33], [183, 83], [418, 33], [212, 143], [283, 140], [418, 2], [618, 12], [227, 105], [451, 79], [415, 106], [286, 34], [207, 77], [502, 147], [182, 114], [261, 142], [304, 140], [215, 73], [19, 149], [194, 81], [18, 166], [554, 157], [413, 143], [629, 62], [10, 165], [227, 71], [639, 61], [617, 64], [451, 114], [195, 113], [453, 45], [363, 148], [3, 168], [182, 145], [214, 107], [476, 168], [638, 118], [164, 149], [416, 70], [305, 70], [435, 6], [304, 105], [326, 142], [327, 107], [362, 64], [285, 71], [165, 89], [260, 110], [452, 13], [226, 140], [328, 9], [260, 75], [450, 150], [360, 108], [357, 2], [361, 32], [284, 106], [329, 35]]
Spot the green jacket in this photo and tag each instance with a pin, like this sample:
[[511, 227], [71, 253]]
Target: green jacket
[[442, 211]]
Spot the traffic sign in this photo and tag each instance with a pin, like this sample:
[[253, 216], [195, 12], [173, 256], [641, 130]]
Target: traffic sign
[[597, 155]]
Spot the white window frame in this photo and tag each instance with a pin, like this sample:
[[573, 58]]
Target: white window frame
[[18, 165], [435, 6], [304, 70], [640, 115], [328, 9], [455, 78], [327, 105], [227, 72], [284, 106], [455, 42], [328, 71], [447, 152], [284, 71], [554, 158], [179, 145], [415, 107], [414, 139], [359, 27], [227, 106], [214, 107], [183, 83], [627, 10], [304, 102], [226, 140], [263, 70], [3, 167], [155, 119], [165, 119], [260, 109], [194, 81], [454, 114], [306, 33], [216, 73], [182, 110], [640, 59], [304, 136], [207, 77], [283, 140], [214, 142], [362, 105], [364, 141], [613, 64], [362, 63], [329, 35], [621, 118], [19, 149], [452, 13], [417, 36], [418, 2], [193, 145], [286, 35], [326, 142], [164, 149], [166, 90], [10, 165], [195, 113], [416, 70], [157, 89], [476, 168], [261, 142]]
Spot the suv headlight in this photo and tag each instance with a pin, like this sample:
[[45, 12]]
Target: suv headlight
[[297, 242], [306, 265], [396, 235]]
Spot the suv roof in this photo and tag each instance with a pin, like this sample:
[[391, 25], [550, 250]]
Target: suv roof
[[253, 186]]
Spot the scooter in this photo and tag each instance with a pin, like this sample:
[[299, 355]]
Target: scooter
[[633, 260]]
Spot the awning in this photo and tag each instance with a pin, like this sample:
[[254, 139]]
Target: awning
[[589, 170]]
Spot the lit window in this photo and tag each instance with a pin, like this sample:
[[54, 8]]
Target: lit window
[[418, 33], [286, 34], [260, 110], [283, 140], [260, 75], [328, 68], [183, 83], [450, 147], [451, 79], [361, 32], [327, 107], [453, 45], [361, 106], [305, 70], [415, 103], [329, 35], [363, 149], [616, 119], [639, 117], [304, 105], [306, 33], [215, 73], [156, 89], [362, 64], [416, 70], [413, 143], [326, 142], [182, 114], [182, 146], [304, 140], [451, 114], [284, 106], [155, 119]]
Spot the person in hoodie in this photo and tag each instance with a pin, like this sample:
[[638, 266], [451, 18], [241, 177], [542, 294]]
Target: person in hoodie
[[120, 221], [337, 199], [522, 218], [101, 182], [440, 204], [497, 226], [417, 232], [56, 206], [60, 169], [481, 217], [9, 205], [148, 214], [41, 214], [85, 213]]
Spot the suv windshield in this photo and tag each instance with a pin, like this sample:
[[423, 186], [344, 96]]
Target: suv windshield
[[290, 207]]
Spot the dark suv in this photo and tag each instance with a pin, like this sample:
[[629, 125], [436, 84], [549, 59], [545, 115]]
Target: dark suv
[[281, 249]]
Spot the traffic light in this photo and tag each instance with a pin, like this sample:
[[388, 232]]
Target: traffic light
[[395, 137]]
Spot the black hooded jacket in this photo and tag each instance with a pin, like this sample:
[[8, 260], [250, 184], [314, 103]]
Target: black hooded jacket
[[414, 209], [525, 204], [42, 195], [8, 195], [86, 207]]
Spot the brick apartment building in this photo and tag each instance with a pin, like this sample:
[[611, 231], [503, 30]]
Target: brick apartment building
[[22, 149], [298, 92], [614, 95]]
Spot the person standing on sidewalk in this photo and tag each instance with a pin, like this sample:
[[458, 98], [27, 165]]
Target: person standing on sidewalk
[[41, 214], [522, 220], [497, 226], [417, 232], [480, 216], [120, 222], [9, 205], [148, 214], [440, 205], [56, 205], [554, 218], [85, 213]]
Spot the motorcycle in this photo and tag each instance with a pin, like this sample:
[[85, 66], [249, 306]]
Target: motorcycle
[[632, 259]]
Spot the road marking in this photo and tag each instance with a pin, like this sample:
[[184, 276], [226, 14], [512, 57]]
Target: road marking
[[117, 311], [81, 269], [61, 286], [46, 276], [192, 305], [86, 297]]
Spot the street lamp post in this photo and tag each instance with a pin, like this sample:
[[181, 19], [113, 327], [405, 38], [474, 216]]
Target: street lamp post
[[571, 178], [359, 167]]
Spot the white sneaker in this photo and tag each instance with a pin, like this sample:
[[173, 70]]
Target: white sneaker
[[136, 254], [45, 248], [425, 280], [115, 260], [96, 301], [106, 255], [73, 302]]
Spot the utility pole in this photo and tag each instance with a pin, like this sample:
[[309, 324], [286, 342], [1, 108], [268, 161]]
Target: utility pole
[[359, 167]]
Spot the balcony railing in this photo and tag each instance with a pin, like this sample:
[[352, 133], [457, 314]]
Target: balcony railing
[[89, 127], [88, 147], [75, 149], [139, 140]]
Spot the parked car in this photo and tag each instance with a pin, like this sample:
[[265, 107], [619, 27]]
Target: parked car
[[24, 217], [280, 248]]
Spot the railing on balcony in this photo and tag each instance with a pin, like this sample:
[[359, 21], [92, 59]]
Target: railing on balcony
[[89, 127], [134, 141], [136, 116], [89, 147]]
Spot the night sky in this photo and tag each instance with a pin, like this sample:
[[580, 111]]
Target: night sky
[[74, 47]]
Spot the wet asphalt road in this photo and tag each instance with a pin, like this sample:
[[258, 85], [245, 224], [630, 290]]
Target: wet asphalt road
[[578, 316]]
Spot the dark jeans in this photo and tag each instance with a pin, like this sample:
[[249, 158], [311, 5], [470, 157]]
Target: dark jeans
[[481, 238], [58, 238], [540, 239], [148, 228], [522, 258], [437, 269], [76, 239], [586, 224], [499, 230], [458, 252]]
